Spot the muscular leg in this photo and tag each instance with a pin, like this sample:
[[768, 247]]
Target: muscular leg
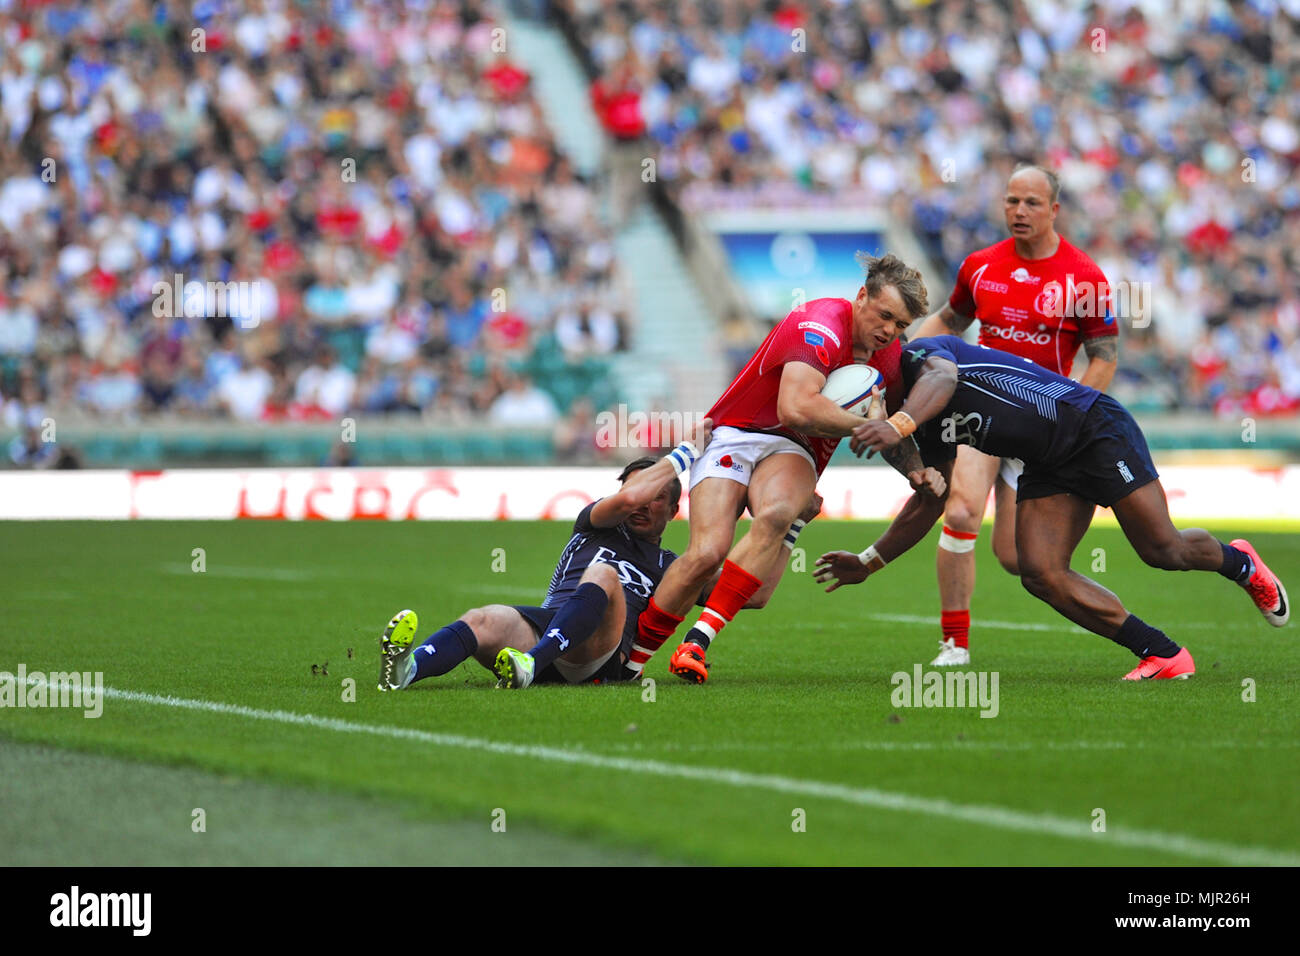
[[1047, 532], [589, 646], [973, 475], [778, 491], [497, 626], [1144, 516], [715, 505], [1004, 527]]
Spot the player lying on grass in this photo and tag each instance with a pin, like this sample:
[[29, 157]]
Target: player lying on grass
[[1081, 449], [774, 434], [584, 629]]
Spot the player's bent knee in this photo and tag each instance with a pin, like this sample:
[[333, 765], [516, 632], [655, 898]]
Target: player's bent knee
[[476, 618], [604, 576], [1165, 555], [1043, 585], [773, 522], [700, 561], [960, 515], [1010, 561]]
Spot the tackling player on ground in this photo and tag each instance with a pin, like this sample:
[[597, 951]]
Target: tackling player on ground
[[774, 433], [1036, 296], [1081, 449], [583, 630]]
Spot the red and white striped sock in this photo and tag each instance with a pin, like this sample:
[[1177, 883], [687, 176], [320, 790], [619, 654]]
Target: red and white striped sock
[[734, 589], [653, 627]]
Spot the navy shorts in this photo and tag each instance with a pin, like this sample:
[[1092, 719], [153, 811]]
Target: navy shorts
[[540, 618], [1108, 461]]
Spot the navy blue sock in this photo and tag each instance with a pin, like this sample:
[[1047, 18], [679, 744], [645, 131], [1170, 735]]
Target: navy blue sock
[[1144, 640], [444, 650], [1237, 565], [575, 621], [696, 636]]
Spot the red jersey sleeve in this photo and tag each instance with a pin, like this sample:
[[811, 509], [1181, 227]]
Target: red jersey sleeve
[[961, 301], [814, 335], [1093, 308]]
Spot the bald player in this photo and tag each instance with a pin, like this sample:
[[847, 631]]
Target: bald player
[[1038, 297]]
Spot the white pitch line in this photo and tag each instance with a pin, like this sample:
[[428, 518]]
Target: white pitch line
[[1018, 625], [259, 574], [990, 816], [957, 746]]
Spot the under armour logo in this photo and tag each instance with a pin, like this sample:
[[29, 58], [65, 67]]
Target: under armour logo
[[429, 649], [555, 633]]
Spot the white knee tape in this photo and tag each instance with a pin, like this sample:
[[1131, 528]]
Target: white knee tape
[[956, 541]]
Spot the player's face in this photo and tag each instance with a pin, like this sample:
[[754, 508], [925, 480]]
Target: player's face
[[1028, 206], [879, 319], [649, 521]]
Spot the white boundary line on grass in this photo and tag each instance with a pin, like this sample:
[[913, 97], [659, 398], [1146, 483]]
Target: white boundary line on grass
[[1064, 625], [989, 816]]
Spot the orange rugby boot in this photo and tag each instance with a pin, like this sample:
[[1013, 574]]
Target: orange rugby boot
[[1179, 667], [689, 664], [1264, 588]]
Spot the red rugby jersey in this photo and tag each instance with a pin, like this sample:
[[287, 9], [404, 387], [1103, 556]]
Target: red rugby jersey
[[1039, 309], [821, 335]]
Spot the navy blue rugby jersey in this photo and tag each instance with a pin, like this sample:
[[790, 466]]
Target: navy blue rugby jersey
[[640, 564], [1004, 405]]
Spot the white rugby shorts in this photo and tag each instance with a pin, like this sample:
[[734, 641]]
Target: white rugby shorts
[[733, 453], [1011, 470]]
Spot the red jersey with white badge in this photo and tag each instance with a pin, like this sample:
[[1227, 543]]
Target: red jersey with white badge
[[1039, 309], [821, 335]]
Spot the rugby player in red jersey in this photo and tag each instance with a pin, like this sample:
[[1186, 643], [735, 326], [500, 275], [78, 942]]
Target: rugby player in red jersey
[[773, 433], [1037, 297]]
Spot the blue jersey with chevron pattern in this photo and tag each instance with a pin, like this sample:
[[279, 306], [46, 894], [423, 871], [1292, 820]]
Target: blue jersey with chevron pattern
[[1004, 405]]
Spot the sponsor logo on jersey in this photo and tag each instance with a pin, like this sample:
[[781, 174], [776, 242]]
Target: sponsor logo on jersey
[[726, 461], [1022, 275], [993, 286], [818, 343], [824, 330], [1123, 471], [1051, 301], [1016, 335], [630, 576]]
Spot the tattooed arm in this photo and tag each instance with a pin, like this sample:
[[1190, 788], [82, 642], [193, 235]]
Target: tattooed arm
[[947, 321], [1103, 358], [905, 458]]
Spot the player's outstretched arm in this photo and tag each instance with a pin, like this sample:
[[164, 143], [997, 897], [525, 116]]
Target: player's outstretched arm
[[801, 405], [905, 458], [947, 321], [927, 398], [912, 524], [643, 486]]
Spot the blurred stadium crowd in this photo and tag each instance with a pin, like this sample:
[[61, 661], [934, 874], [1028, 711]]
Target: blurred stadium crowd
[[376, 174], [380, 175], [1173, 126]]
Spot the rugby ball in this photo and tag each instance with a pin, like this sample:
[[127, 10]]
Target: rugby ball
[[850, 387]]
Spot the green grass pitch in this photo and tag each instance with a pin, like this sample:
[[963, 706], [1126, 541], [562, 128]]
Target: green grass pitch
[[792, 753]]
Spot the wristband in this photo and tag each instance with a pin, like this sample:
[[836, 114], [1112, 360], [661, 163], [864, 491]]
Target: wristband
[[792, 535], [870, 557], [902, 423], [682, 457]]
